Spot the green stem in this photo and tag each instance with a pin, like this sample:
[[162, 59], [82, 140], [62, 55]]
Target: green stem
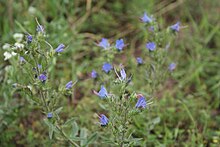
[[124, 126], [44, 100], [124, 116], [66, 137]]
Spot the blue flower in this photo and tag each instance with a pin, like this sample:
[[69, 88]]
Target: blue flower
[[139, 60], [39, 66], [146, 19], [141, 103], [175, 27], [119, 44], [151, 28], [49, 115], [102, 92], [29, 38], [123, 74], [151, 46], [42, 77], [22, 59], [60, 48], [94, 74], [103, 120], [40, 28], [107, 67], [104, 43], [69, 85], [172, 66]]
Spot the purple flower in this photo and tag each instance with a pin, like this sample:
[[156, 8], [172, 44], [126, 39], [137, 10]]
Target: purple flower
[[69, 85], [42, 77], [175, 27], [151, 28], [94, 74], [102, 92], [107, 67], [49, 115], [141, 103], [22, 59], [40, 28], [104, 43], [172, 66], [119, 44], [29, 38], [103, 120], [39, 66], [123, 74], [146, 19], [151, 46], [139, 60], [60, 48]]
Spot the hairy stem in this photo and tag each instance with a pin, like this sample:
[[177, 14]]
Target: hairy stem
[[66, 137]]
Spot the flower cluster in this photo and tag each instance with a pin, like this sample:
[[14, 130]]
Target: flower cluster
[[125, 104], [122, 102], [119, 44], [29, 53]]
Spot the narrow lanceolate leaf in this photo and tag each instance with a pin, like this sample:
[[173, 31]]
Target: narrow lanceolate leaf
[[58, 110], [91, 139], [83, 135], [50, 132], [69, 121], [75, 130], [52, 128]]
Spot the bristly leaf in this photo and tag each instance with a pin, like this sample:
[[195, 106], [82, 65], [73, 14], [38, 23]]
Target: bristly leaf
[[91, 139], [83, 135], [52, 128], [50, 132], [58, 110], [75, 130], [69, 121]]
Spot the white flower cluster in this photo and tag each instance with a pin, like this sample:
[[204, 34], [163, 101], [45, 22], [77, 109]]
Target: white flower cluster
[[18, 45], [18, 37], [8, 55]]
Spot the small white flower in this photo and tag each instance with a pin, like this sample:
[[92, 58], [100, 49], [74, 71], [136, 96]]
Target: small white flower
[[18, 37], [29, 87], [9, 55], [19, 45], [13, 53], [6, 46], [32, 10]]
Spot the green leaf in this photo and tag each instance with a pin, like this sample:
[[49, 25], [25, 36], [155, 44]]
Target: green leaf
[[1, 112], [58, 110], [76, 138], [50, 125], [50, 132], [91, 139], [156, 120], [52, 128], [83, 135], [69, 121], [75, 130], [21, 27]]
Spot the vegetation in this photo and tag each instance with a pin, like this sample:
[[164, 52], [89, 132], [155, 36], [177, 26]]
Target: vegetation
[[56, 89]]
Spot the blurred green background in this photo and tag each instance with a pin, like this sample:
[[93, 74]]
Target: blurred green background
[[187, 110]]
